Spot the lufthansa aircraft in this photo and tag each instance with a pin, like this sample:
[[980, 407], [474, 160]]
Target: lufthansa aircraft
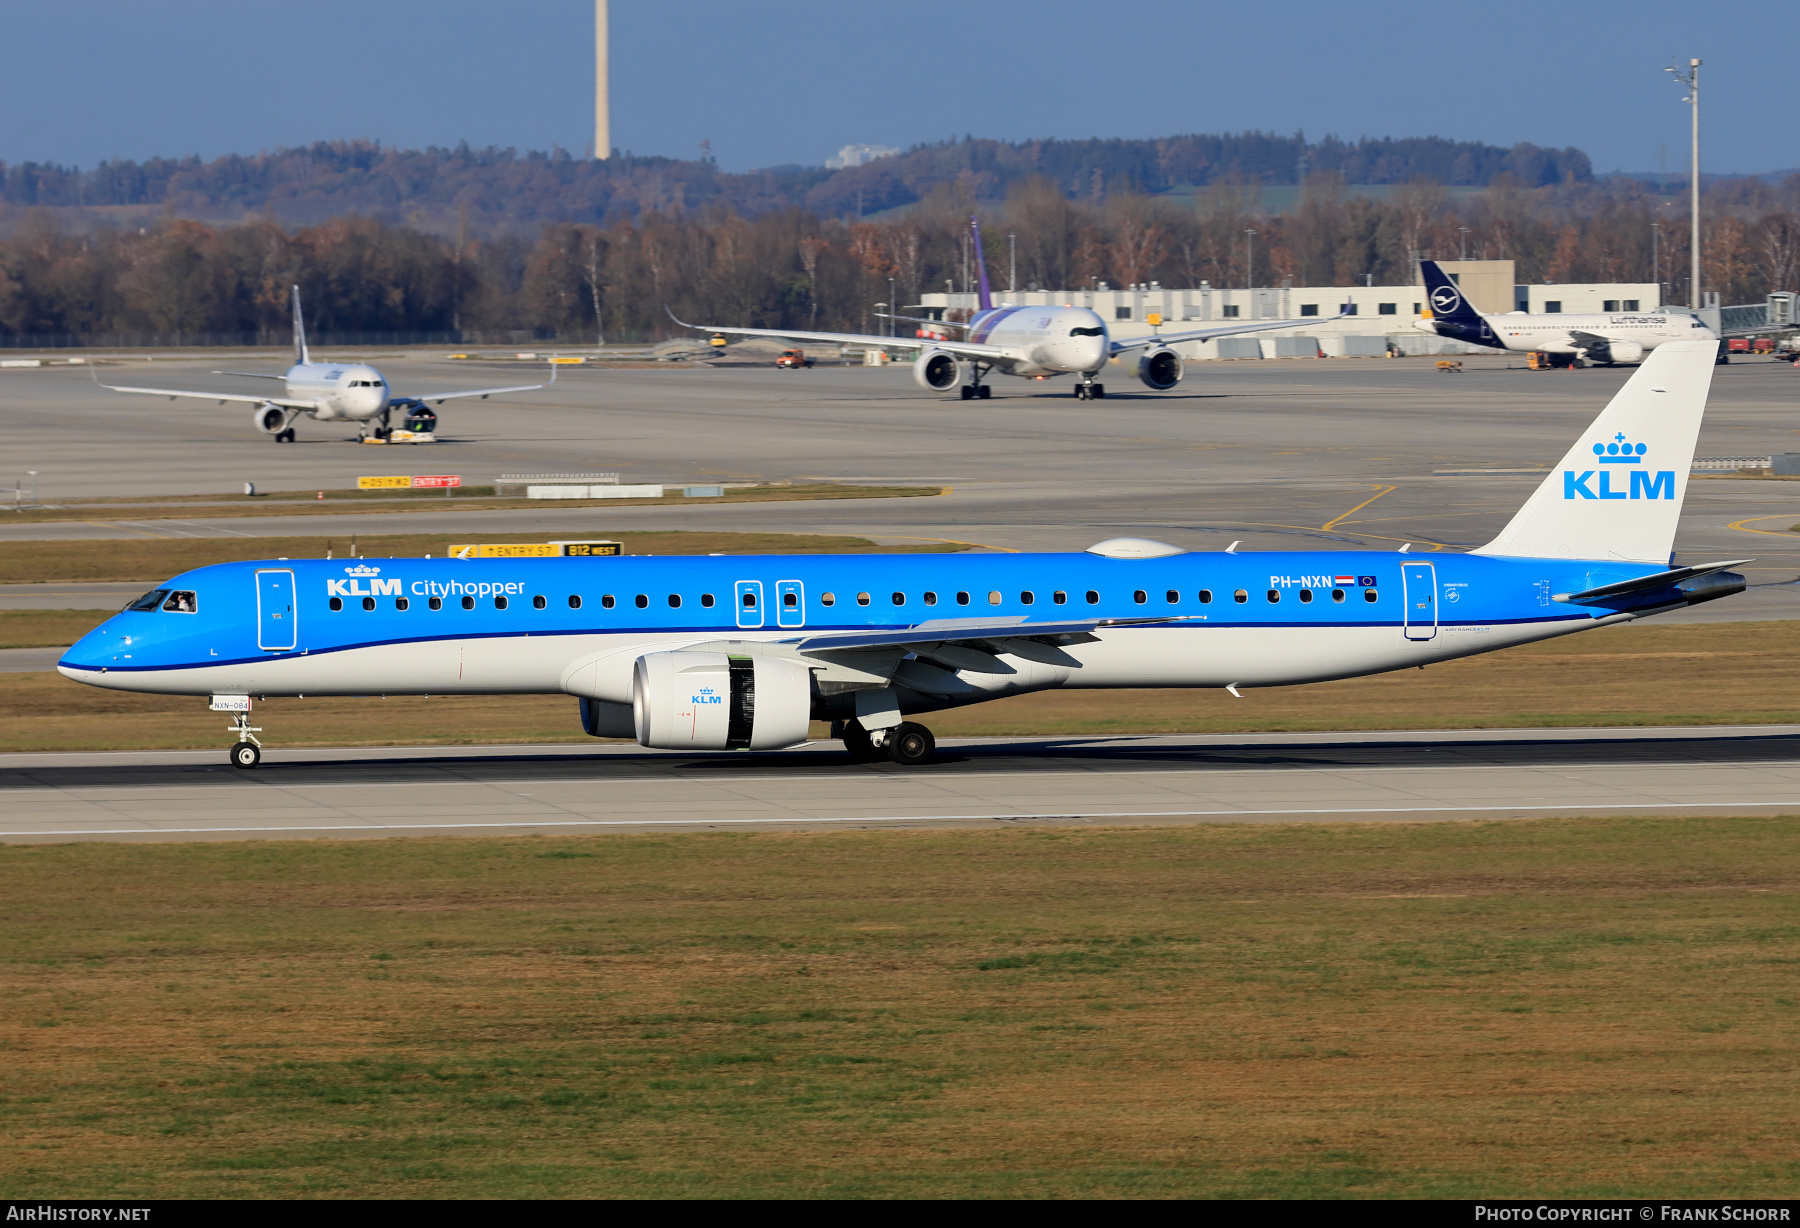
[[1030, 342], [330, 392], [720, 653], [1609, 338]]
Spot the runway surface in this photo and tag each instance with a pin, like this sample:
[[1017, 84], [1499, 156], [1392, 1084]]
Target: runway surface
[[978, 783]]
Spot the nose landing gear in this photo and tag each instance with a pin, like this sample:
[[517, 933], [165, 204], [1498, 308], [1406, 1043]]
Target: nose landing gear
[[247, 752], [1088, 390]]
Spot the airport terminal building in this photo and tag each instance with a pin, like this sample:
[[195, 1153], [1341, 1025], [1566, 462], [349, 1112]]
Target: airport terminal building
[[1380, 320]]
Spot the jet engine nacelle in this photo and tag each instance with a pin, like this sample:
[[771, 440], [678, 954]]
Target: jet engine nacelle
[[937, 371], [270, 419], [1159, 368], [1616, 351], [694, 700]]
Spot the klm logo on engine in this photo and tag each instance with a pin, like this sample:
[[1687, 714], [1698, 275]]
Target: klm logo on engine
[[354, 587], [1604, 483], [706, 695]]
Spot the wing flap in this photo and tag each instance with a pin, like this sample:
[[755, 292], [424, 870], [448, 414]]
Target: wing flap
[[962, 632]]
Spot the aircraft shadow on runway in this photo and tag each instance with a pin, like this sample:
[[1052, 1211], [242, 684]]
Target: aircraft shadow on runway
[[1049, 755]]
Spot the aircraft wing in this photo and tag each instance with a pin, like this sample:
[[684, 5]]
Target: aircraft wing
[[1207, 334], [968, 630], [886, 343], [172, 393], [250, 374], [441, 397]]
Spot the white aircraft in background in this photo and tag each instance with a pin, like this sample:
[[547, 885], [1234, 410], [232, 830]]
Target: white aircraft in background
[[1030, 342], [330, 392], [1605, 338]]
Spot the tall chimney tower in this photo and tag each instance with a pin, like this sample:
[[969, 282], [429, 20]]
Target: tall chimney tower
[[602, 114]]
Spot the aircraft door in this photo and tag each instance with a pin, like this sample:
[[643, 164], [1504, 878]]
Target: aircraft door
[[749, 603], [1418, 589], [277, 628], [790, 607]]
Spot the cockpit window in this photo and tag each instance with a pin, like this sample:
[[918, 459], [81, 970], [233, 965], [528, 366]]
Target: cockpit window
[[182, 601], [1087, 332], [150, 600]]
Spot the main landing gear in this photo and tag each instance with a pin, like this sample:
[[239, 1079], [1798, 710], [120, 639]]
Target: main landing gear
[[975, 390], [286, 436], [1088, 390], [247, 753], [906, 744]]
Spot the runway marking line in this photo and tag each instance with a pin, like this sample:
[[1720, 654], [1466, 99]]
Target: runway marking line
[[1382, 493], [892, 818], [1739, 525]]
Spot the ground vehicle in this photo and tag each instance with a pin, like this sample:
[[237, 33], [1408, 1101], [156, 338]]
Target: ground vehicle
[[793, 360]]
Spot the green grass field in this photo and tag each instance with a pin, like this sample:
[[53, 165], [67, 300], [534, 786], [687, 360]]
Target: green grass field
[[1573, 1008]]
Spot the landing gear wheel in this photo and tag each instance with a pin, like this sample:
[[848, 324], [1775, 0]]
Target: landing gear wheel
[[910, 745], [1097, 392], [246, 755], [858, 743], [286, 436], [983, 392], [968, 393]]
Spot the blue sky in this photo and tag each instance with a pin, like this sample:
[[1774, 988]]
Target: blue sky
[[785, 81]]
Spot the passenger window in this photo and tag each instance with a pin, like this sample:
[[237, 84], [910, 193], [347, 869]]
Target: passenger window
[[791, 600], [1337, 594], [1306, 596], [1274, 596], [1369, 594], [930, 598], [538, 602], [181, 601], [643, 602], [674, 601], [1172, 597], [368, 603], [827, 598], [468, 603], [607, 602], [1059, 597], [337, 603], [1027, 597], [962, 599], [862, 599], [499, 603], [436, 603], [574, 602], [1206, 596], [154, 598], [706, 600], [749, 601], [401, 603], [994, 598], [1240, 596], [1093, 598], [1140, 596], [899, 598]]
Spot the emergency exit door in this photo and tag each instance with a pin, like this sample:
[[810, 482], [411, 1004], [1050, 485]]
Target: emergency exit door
[[277, 628], [749, 603], [1418, 589]]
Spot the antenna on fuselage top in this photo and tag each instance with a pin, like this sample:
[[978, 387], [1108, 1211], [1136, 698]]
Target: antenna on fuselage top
[[984, 300], [301, 357]]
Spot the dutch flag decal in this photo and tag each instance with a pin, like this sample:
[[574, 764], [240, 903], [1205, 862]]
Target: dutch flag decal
[[1343, 581]]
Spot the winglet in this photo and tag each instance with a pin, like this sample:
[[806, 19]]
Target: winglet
[[301, 357], [984, 300]]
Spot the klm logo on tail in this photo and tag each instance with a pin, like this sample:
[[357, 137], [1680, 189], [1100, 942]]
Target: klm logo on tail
[[1644, 485]]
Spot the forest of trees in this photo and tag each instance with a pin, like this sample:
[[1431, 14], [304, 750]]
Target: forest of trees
[[491, 191], [798, 268]]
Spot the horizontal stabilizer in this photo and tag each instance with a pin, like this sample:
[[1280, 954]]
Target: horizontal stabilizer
[[1644, 584]]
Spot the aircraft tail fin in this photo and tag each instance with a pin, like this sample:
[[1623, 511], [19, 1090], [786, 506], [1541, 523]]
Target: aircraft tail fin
[[1618, 492], [985, 300], [301, 357], [1445, 297]]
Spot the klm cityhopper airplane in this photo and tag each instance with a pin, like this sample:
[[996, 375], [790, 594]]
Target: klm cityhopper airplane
[[724, 653], [1608, 339], [1030, 342], [330, 392]]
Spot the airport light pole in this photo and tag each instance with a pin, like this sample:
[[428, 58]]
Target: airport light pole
[[1656, 256], [1690, 77], [893, 306], [1012, 263], [1465, 241], [1249, 256]]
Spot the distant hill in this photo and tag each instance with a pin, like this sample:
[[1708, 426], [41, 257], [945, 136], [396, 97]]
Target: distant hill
[[502, 189]]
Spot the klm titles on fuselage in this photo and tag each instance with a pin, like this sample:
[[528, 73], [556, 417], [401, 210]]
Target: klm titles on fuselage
[[354, 587], [1644, 485]]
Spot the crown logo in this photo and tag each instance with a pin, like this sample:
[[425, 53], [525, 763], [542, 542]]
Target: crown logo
[[1620, 452], [362, 571]]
